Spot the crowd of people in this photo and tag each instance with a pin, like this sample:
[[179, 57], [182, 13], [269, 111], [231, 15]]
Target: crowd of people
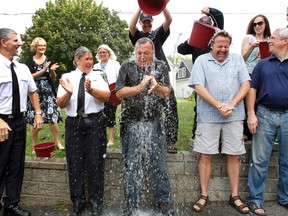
[[239, 97]]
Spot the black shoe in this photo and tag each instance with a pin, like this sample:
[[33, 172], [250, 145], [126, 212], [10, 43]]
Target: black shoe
[[75, 213], [15, 211], [166, 209], [96, 210], [77, 209]]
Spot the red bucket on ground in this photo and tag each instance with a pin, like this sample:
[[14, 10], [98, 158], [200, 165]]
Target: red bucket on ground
[[264, 49], [113, 99], [152, 7], [201, 35], [45, 149]]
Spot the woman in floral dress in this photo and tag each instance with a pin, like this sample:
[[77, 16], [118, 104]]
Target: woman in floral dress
[[43, 70]]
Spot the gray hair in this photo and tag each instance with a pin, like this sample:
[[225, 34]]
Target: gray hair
[[222, 33], [145, 40], [112, 55], [81, 51], [283, 32], [5, 33]]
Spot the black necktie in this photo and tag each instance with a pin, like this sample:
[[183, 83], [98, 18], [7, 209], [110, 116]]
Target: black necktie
[[81, 96], [15, 92]]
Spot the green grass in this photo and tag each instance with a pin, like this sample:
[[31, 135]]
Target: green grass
[[185, 115]]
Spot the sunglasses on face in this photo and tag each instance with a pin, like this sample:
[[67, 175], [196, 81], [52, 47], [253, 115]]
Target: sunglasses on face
[[258, 23]]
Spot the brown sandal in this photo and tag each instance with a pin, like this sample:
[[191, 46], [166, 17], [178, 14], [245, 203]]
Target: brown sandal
[[200, 206], [239, 208]]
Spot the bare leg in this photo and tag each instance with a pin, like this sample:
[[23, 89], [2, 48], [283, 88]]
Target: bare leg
[[112, 132], [55, 131], [233, 169], [204, 173], [34, 136]]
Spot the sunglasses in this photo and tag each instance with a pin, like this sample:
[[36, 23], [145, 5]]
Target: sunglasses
[[258, 23]]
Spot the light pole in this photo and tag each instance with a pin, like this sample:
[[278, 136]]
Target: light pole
[[174, 62], [175, 49]]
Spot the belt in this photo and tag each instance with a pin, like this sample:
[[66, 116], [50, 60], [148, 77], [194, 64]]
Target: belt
[[273, 110], [12, 116], [88, 115]]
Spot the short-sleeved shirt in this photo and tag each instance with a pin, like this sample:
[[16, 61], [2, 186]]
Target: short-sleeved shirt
[[92, 105], [270, 79], [158, 37], [25, 81], [223, 81], [143, 106]]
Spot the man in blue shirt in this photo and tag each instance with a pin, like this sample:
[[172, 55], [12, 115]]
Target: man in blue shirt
[[221, 81], [269, 90]]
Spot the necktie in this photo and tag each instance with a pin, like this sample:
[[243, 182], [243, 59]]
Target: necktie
[[15, 92], [81, 96]]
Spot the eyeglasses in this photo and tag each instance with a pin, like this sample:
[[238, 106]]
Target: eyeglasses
[[103, 53], [258, 23]]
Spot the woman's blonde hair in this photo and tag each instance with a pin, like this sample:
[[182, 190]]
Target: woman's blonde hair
[[112, 55], [36, 41]]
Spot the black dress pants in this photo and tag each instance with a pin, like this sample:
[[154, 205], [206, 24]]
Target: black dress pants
[[12, 161], [85, 140]]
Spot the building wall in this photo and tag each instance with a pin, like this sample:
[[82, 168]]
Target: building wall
[[182, 89], [46, 180]]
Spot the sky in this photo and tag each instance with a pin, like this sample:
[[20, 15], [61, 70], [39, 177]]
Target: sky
[[17, 15]]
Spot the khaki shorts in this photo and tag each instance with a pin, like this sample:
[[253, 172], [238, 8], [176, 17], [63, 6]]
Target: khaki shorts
[[207, 137]]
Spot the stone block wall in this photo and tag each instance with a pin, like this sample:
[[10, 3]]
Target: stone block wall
[[46, 180]]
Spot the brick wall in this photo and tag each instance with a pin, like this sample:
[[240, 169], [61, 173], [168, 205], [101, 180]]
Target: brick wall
[[46, 180]]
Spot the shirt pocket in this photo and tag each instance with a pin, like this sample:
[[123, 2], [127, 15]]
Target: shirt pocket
[[5, 86]]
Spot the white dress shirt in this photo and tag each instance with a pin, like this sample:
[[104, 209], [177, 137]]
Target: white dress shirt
[[25, 81], [92, 105]]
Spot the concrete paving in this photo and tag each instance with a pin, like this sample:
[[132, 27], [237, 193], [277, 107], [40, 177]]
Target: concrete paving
[[213, 209]]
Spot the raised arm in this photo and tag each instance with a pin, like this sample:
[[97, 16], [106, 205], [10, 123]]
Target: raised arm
[[133, 22], [168, 19]]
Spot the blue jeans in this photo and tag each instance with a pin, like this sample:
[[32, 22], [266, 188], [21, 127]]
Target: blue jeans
[[271, 124], [144, 145]]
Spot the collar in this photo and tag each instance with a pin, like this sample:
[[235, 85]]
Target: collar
[[211, 58], [6, 61]]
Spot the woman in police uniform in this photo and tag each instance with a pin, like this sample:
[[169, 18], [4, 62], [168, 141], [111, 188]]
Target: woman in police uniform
[[85, 132]]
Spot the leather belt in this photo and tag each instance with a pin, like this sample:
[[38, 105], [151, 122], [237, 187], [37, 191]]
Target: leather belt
[[88, 115], [12, 116]]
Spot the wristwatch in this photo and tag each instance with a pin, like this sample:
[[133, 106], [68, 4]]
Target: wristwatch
[[38, 113]]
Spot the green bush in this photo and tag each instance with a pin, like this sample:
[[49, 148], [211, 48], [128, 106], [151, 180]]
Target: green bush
[[185, 115]]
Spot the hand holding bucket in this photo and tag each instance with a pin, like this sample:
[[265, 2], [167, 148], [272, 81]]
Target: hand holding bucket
[[201, 35], [264, 49], [152, 7]]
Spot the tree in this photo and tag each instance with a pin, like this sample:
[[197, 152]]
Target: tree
[[69, 24]]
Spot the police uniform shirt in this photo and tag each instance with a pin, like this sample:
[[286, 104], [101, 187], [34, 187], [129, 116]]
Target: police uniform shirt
[[25, 81], [92, 105]]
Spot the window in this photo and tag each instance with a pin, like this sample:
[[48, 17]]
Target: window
[[182, 72]]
